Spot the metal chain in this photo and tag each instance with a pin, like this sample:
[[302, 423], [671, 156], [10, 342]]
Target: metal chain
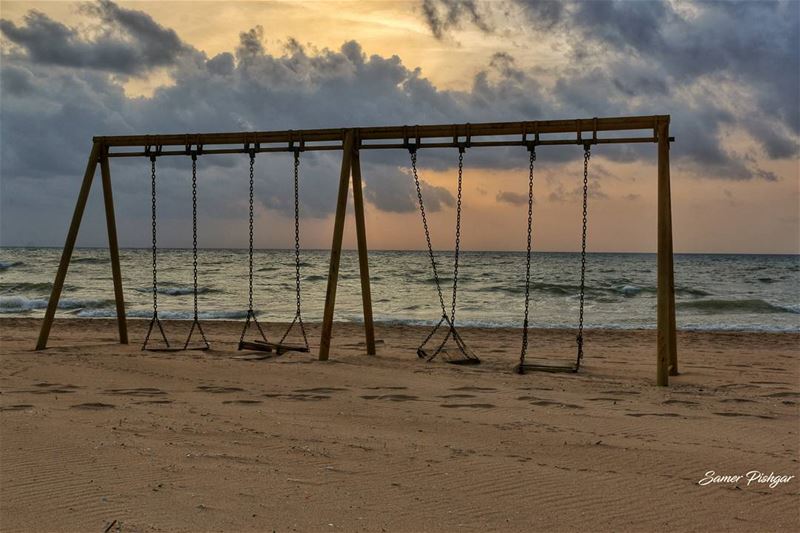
[[457, 250], [194, 230], [427, 231], [586, 155], [155, 249], [250, 251], [297, 227], [250, 312], [528, 261], [155, 319], [298, 317]]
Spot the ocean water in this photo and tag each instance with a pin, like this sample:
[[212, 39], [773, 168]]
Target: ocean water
[[713, 292]]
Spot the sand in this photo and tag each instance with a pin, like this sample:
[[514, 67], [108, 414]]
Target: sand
[[95, 434]]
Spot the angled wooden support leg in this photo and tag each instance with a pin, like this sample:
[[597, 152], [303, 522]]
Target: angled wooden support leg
[[667, 356], [336, 247], [113, 246], [69, 245], [363, 257]]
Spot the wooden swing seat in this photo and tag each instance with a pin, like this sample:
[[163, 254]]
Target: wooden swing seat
[[446, 356], [567, 367], [275, 347], [166, 349]]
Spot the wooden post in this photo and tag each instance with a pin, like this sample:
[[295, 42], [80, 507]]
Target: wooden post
[[363, 259], [69, 245], [336, 247], [667, 355], [113, 246]]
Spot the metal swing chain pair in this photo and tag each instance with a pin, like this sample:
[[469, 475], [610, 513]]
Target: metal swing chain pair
[[196, 319], [250, 311], [298, 317], [579, 339], [470, 357], [156, 321]]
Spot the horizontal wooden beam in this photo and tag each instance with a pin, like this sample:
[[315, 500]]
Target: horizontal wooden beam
[[579, 127], [397, 146]]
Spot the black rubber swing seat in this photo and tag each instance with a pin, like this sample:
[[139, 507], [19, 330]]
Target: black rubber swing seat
[[447, 357], [176, 349], [566, 367], [272, 347]]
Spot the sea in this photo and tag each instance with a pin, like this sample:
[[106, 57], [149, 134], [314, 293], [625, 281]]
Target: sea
[[713, 291]]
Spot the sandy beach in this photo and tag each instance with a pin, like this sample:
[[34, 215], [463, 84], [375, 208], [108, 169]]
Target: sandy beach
[[94, 432]]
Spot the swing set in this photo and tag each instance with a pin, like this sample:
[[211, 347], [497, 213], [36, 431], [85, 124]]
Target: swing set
[[351, 141]]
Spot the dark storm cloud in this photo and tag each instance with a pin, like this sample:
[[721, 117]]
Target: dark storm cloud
[[445, 15], [130, 42], [711, 65]]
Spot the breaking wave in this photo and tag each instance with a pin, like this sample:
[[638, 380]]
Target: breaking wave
[[738, 307]]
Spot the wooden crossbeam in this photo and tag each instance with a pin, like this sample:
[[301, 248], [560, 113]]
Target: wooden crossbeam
[[485, 129]]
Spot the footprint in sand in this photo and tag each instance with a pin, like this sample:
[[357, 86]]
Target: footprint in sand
[[783, 395], [736, 400], [392, 397], [93, 406], [605, 399], [668, 415], [320, 390], [550, 403], [297, 397], [242, 402], [763, 417], [142, 391], [153, 402], [679, 402], [17, 407], [214, 389], [468, 405], [52, 388]]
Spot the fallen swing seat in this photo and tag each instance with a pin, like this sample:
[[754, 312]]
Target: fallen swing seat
[[277, 348]]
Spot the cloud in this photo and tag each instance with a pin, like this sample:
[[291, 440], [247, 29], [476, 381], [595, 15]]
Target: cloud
[[695, 60], [393, 191], [442, 16], [61, 85], [127, 41], [513, 198], [561, 194]]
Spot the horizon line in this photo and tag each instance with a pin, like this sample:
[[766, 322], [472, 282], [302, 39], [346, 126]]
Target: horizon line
[[217, 248]]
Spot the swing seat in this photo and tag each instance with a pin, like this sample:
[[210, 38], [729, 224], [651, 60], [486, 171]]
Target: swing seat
[[276, 347], [464, 360], [167, 349], [255, 345], [567, 367], [164, 349]]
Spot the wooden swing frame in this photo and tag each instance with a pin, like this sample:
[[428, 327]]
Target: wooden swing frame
[[350, 141]]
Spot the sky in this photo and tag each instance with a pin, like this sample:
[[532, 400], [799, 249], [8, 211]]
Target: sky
[[728, 73]]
